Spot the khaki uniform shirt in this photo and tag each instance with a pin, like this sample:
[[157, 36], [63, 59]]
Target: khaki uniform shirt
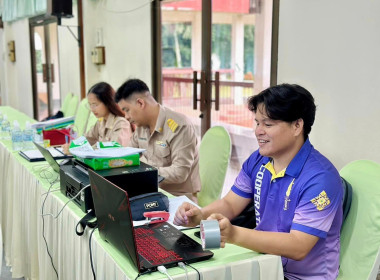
[[115, 128], [173, 149]]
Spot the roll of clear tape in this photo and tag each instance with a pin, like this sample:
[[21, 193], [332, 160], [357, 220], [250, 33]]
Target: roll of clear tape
[[210, 234]]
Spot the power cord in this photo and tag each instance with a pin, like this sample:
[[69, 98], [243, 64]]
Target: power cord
[[183, 266], [43, 172], [53, 190], [43, 229], [89, 245], [163, 270], [71, 199], [199, 275], [143, 273]]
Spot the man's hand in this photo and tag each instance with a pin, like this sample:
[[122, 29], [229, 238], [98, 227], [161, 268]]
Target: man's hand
[[187, 215], [226, 229]]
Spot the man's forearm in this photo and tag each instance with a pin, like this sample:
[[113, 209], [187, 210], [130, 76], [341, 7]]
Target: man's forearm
[[294, 245]]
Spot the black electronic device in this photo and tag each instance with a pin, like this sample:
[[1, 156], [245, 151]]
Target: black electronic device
[[72, 181], [135, 180], [148, 246], [62, 8]]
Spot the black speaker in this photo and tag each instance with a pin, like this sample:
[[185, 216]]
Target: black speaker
[[62, 8]]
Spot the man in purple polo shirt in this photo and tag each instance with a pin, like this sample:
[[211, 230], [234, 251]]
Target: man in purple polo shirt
[[296, 191]]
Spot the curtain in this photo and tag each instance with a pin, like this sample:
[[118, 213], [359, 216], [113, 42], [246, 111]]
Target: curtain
[[18, 9]]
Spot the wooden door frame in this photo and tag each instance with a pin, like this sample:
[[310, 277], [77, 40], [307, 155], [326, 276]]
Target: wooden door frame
[[206, 68], [34, 22]]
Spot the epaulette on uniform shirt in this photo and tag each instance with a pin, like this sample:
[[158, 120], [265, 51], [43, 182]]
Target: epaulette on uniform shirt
[[172, 125]]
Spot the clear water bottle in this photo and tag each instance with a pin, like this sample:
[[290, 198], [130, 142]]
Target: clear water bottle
[[1, 118], [28, 137], [5, 128], [16, 137]]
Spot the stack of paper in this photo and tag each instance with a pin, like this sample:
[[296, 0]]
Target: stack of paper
[[54, 123], [106, 153]]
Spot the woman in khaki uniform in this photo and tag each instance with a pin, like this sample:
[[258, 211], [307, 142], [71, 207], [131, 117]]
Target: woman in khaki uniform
[[111, 124]]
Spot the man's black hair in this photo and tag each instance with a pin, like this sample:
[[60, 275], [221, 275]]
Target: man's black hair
[[286, 102], [130, 87]]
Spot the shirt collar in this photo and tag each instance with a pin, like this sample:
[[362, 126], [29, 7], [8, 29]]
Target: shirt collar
[[160, 120], [295, 166]]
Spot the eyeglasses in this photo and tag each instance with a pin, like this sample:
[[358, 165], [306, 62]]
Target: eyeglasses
[[92, 106]]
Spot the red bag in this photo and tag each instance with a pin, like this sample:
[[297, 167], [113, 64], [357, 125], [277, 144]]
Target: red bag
[[57, 136]]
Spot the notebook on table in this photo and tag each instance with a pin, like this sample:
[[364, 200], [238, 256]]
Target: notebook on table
[[48, 156], [37, 155], [147, 246]]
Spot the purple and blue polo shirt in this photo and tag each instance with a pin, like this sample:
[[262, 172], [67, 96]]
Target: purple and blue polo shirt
[[306, 196]]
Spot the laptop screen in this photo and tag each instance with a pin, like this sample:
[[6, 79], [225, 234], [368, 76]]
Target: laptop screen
[[48, 157], [113, 215]]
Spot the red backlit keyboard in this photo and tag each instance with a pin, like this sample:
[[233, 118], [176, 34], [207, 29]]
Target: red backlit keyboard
[[149, 248]]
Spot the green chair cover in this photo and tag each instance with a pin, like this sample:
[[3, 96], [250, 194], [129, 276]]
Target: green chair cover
[[73, 105], [65, 103], [81, 117], [214, 155], [360, 236]]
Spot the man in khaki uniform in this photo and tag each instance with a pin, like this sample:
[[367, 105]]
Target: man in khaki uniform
[[168, 137]]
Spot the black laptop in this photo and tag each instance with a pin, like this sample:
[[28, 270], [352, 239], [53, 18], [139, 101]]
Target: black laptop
[[148, 246]]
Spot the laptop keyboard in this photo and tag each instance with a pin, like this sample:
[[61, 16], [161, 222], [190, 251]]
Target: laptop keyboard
[[149, 248]]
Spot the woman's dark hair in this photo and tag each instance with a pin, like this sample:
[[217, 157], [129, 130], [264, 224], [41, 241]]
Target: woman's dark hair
[[287, 103], [106, 94]]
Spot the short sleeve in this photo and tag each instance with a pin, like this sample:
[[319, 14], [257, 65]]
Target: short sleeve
[[318, 205]]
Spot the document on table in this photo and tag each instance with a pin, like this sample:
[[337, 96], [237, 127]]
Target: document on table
[[83, 149], [106, 153]]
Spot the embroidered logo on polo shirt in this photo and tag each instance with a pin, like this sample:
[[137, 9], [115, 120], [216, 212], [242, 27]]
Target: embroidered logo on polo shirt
[[321, 201], [172, 124]]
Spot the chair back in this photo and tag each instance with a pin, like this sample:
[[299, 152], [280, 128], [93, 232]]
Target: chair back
[[73, 105], [214, 156], [347, 199], [81, 118], [360, 235], [66, 103]]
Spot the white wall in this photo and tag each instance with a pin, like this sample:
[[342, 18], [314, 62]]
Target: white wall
[[126, 37], [18, 83], [3, 57], [68, 52], [332, 49]]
